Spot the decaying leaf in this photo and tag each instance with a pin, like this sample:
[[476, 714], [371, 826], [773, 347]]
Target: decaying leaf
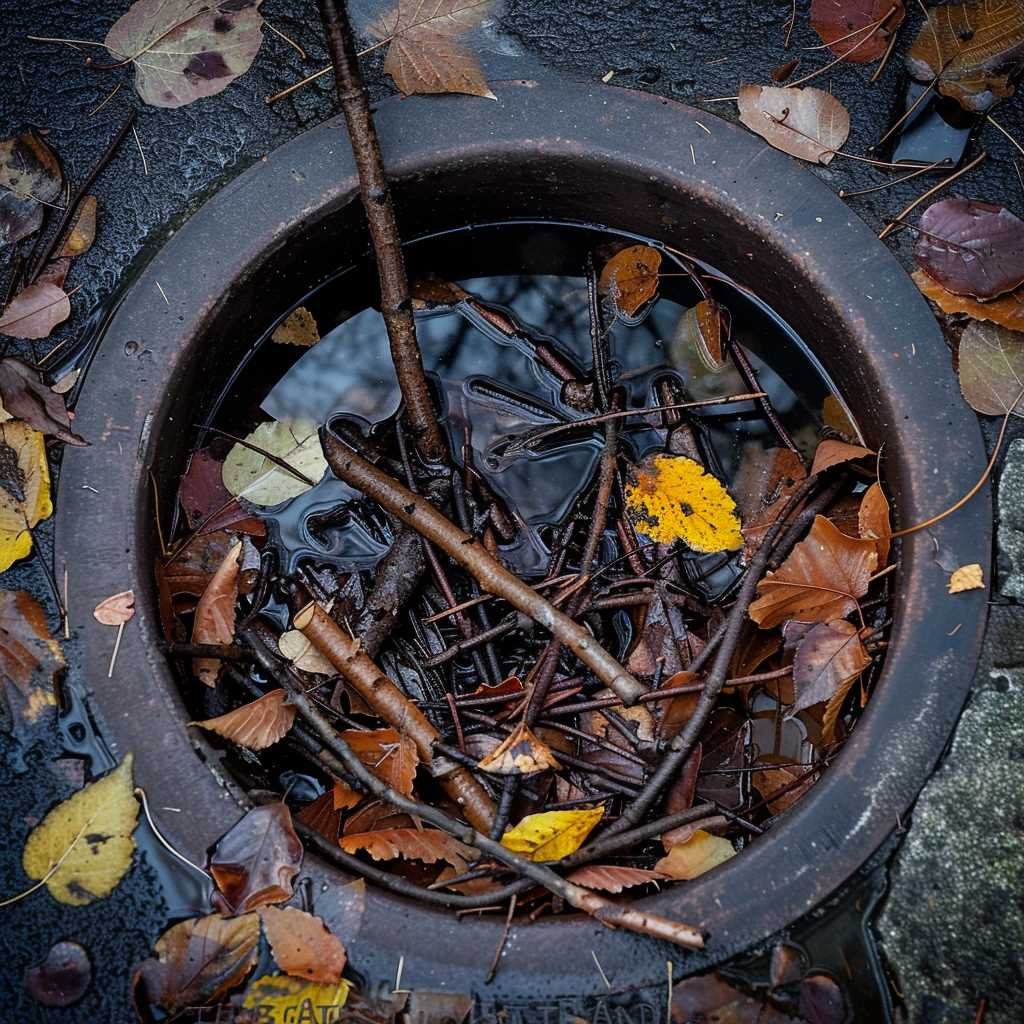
[[971, 248], [256, 725], [552, 835], [84, 846], [302, 945], [830, 657], [522, 752], [770, 781], [24, 396], [24, 489], [967, 577], [992, 369], [391, 756], [298, 328], [248, 474], [707, 997], [1007, 311], [30, 176], [857, 29], [116, 609], [424, 844], [256, 862], [215, 615], [425, 55], [186, 50], [206, 502], [29, 659], [974, 49], [613, 877], [700, 853], [671, 497], [821, 579], [197, 962], [805, 123], [833, 453], [300, 651], [873, 521], [278, 999], [82, 232], [630, 278], [322, 816], [35, 311]]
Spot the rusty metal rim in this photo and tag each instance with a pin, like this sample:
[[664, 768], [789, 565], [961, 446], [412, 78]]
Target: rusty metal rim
[[757, 215]]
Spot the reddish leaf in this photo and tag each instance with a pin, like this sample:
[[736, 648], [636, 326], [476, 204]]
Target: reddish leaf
[[203, 492], [257, 861], [680, 797], [427, 845], [343, 796], [856, 29], [708, 998], [181, 582], [26, 397], [833, 453], [390, 756], [822, 1000], [322, 817], [35, 311], [302, 945], [805, 123], [256, 725], [375, 815], [830, 657], [613, 877], [506, 688], [62, 978], [672, 715], [215, 614], [971, 248], [1006, 311], [820, 580]]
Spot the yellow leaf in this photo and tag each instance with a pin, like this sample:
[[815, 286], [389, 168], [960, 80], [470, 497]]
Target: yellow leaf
[[700, 853], [24, 489], [250, 475], [277, 999], [89, 836], [672, 498], [967, 577], [551, 835]]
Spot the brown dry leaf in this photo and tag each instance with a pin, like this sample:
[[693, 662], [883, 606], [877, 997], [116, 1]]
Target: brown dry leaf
[[24, 489], [975, 49], [833, 453], [424, 55], [873, 521], [769, 781], [322, 816], [521, 753], [967, 577], [805, 123], [214, 621], [673, 714], [25, 397], [708, 998], [427, 845], [766, 483], [256, 862], [35, 311], [613, 877], [343, 796], [630, 278], [821, 579], [849, 29], [116, 609], [256, 725], [552, 835], [302, 945], [700, 853], [390, 756], [1007, 311], [197, 962], [31, 176], [830, 657], [298, 328], [82, 232], [991, 369]]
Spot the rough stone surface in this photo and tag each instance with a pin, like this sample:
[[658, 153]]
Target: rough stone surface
[[1011, 522]]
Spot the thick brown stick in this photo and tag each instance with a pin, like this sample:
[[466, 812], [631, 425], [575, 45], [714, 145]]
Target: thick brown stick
[[395, 304], [388, 701], [476, 559]]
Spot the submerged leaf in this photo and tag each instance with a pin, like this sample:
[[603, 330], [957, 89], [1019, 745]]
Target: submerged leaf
[[830, 657], [278, 999], [522, 752], [967, 577], [214, 621], [90, 836], [31, 176], [256, 725], [24, 489], [805, 123], [302, 945], [630, 278], [857, 29], [186, 50], [82, 232], [25, 397], [700, 853], [250, 475], [1007, 311], [35, 311], [29, 659], [992, 369], [552, 835], [672, 498]]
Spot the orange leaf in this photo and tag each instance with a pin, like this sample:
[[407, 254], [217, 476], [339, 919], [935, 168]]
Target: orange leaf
[[256, 725], [343, 796], [700, 853], [29, 658], [302, 945], [521, 753], [1007, 310], [830, 657], [321, 816], [856, 29], [214, 621], [630, 278], [389, 755], [821, 579], [613, 877], [831, 453], [427, 845], [873, 521]]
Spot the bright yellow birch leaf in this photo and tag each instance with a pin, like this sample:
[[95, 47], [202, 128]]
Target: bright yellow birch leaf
[[24, 489], [86, 842], [672, 498], [700, 853], [551, 835], [278, 999]]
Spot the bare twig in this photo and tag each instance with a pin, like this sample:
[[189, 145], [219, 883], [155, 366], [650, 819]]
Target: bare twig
[[897, 221]]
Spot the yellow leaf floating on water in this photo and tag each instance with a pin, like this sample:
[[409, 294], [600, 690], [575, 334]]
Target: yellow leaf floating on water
[[551, 835], [24, 489], [278, 999], [700, 853], [89, 836], [672, 498]]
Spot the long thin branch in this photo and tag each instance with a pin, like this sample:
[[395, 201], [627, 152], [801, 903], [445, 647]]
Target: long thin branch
[[477, 560], [395, 303]]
